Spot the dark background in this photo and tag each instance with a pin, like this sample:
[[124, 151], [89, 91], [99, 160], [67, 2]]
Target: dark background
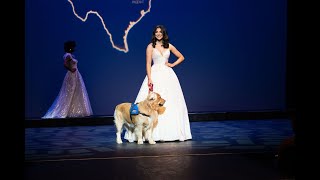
[[235, 52]]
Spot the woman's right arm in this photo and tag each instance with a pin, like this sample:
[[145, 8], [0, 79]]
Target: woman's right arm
[[148, 63]]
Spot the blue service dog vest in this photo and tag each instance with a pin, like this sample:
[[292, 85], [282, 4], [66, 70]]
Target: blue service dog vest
[[134, 110]]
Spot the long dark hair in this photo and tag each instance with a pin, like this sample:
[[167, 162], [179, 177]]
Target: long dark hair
[[165, 39], [69, 46]]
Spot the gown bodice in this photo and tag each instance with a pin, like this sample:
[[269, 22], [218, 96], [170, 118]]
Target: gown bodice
[[74, 61], [160, 58]]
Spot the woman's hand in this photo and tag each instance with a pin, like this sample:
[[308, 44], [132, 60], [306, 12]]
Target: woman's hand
[[150, 87], [150, 84], [169, 65]]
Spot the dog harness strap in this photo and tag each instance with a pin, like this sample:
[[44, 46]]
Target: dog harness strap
[[145, 114]]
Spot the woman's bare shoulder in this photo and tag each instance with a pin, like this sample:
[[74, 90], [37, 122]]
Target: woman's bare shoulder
[[149, 47], [67, 56], [171, 46]]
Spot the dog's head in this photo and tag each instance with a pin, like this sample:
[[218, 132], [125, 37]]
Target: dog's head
[[156, 102], [153, 102]]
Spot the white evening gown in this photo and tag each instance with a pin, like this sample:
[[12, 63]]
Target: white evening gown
[[174, 123], [72, 100]]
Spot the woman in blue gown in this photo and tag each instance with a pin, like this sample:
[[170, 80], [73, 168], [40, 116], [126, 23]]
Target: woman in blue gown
[[73, 99]]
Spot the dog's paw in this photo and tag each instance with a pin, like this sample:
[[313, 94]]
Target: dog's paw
[[119, 141], [152, 142], [140, 142]]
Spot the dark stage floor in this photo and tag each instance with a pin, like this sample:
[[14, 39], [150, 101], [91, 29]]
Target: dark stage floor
[[230, 149]]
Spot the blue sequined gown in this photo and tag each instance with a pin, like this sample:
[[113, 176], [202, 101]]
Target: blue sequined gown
[[73, 99]]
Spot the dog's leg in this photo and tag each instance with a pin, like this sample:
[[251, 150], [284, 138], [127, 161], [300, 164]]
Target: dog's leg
[[119, 124], [149, 132], [149, 136], [138, 132], [119, 130], [130, 132]]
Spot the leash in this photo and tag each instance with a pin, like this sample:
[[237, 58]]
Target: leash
[[150, 87], [134, 110]]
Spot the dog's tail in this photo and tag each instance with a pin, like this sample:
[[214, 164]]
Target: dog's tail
[[118, 119], [121, 119], [115, 116]]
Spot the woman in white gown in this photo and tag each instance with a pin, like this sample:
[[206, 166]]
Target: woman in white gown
[[174, 123], [72, 100]]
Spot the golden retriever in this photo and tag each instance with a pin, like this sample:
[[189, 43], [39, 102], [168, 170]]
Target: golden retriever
[[143, 123]]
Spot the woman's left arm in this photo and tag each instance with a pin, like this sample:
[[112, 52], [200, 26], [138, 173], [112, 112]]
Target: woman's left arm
[[177, 53]]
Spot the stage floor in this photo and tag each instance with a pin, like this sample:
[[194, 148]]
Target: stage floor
[[218, 149]]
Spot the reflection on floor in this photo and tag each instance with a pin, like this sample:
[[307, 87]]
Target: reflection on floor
[[248, 148]]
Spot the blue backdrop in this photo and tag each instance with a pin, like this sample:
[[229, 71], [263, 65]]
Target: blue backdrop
[[235, 51]]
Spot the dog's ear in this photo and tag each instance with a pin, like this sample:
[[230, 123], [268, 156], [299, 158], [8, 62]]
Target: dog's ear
[[161, 110], [152, 96]]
